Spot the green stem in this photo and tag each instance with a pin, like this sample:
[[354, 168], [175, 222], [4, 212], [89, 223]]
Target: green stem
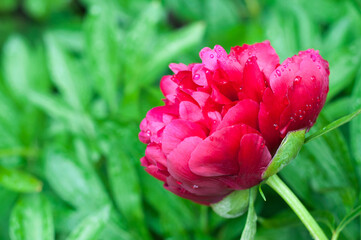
[[290, 198]]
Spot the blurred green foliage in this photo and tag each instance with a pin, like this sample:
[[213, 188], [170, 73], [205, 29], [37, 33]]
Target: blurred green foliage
[[77, 76]]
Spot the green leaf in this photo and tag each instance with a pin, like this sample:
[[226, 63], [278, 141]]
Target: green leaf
[[79, 186], [77, 122], [347, 219], [62, 72], [126, 189], [233, 205], [19, 181], [250, 228], [333, 125], [102, 48], [31, 219], [172, 45], [355, 126], [91, 226], [16, 55], [286, 152], [343, 69]]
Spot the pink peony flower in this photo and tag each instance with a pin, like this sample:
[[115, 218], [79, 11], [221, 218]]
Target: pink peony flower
[[224, 118]]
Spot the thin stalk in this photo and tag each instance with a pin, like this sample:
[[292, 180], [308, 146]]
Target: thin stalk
[[290, 198]]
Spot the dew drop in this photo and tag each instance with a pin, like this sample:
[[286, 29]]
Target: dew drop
[[195, 186], [313, 78], [313, 57], [211, 138], [196, 76], [300, 117], [297, 80], [318, 66], [278, 72], [211, 56], [148, 133], [276, 126], [292, 119]]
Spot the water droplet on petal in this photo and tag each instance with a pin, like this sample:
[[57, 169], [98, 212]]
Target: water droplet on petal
[[196, 76], [148, 133], [313, 78], [297, 80], [195, 186], [211, 56], [278, 72], [211, 138], [276, 126], [313, 57], [300, 117]]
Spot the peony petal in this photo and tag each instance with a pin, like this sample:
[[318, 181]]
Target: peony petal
[[253, 159], [179, 169], [217, 155], [190, 111], [304, 80], [176, 188], [178, 67], [267, 58], [168, 88], [253, 84], [269, 117], [245, 111], [199, 75], [154, 154], [154, 170], [175, 132]]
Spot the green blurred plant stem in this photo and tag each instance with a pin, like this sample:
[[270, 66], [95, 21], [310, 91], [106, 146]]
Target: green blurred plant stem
[[281, 188]]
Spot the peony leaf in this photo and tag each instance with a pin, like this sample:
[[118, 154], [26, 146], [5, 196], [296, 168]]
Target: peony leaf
[[250, 228], [287, 151], [333, 125], [19, 181], [355, 126], [346, 220], [31, 218], [233, 205], [91, 226]]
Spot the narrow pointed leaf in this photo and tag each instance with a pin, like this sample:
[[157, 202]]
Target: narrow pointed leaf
[[348, 218], [333, 125], [19, 181], [249, 231]]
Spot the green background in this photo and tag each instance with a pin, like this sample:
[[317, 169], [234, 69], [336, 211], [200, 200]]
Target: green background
[[77, 77]]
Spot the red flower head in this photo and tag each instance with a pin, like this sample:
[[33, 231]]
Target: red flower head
[[224, 118]]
